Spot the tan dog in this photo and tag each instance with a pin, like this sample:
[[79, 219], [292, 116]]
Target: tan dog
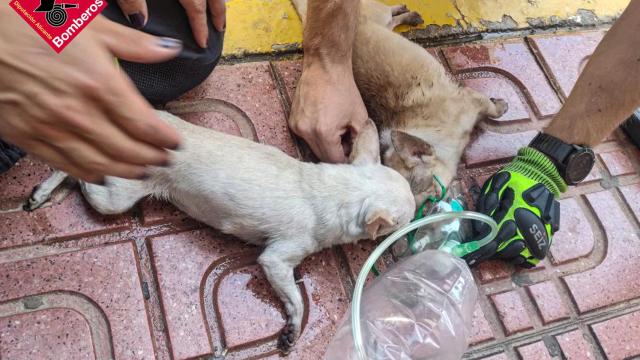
[[425, 118], [265, 197]]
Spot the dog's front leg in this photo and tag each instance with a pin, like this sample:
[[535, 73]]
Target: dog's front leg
[[278, 261]]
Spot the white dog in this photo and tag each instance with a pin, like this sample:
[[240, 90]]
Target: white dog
[[265, 197]]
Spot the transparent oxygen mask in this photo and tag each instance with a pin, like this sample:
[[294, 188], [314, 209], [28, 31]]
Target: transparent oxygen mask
[[421, 308]]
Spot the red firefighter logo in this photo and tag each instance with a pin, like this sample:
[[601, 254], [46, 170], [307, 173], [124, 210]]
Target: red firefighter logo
[[58, 22]]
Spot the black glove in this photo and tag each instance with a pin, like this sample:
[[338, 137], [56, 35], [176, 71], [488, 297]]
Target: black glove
[[521, 198]]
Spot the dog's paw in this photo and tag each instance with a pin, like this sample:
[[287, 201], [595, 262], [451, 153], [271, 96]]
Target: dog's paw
[[36, 199], [413, 19], [501, 107], [287, 339], [399, 9]]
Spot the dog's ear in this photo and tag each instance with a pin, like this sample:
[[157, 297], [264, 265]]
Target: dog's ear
[[378, 222], [411, 149], [366, 146]]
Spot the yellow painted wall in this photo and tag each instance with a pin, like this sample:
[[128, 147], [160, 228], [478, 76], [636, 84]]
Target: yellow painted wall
[[257, 26], [520, 10], [265, 26]]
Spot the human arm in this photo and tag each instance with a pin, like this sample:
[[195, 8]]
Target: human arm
[[605, 94], [607, 91], [327, 104], [75, 110]]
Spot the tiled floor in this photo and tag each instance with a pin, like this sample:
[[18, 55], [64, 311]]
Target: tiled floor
[[153, 284]]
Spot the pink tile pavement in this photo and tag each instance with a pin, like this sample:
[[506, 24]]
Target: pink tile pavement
[[575, 238], [153, 284], [618, 336], [566, 54], [575, 346], [610, 282], [535, 351], [510, 60], [549, 302], [46, 334], [105, 278], [512, 312], [247, 315]]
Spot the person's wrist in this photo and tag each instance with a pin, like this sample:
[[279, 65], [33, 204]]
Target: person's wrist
[[323, 64], [538, 167], [319, 76], [574, 162]]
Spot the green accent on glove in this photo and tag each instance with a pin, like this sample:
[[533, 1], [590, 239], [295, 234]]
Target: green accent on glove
[[520, 183], [522, 199], [538, 167]]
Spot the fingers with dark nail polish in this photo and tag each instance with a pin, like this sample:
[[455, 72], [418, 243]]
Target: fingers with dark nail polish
[[169, 43], [136, 20]]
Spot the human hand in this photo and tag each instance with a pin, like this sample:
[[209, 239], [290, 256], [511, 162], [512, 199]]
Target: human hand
[[136, 12], [75, 110], [327, 105], [521, 199]]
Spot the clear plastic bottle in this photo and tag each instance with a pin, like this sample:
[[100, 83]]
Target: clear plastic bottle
[[419, 309]]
